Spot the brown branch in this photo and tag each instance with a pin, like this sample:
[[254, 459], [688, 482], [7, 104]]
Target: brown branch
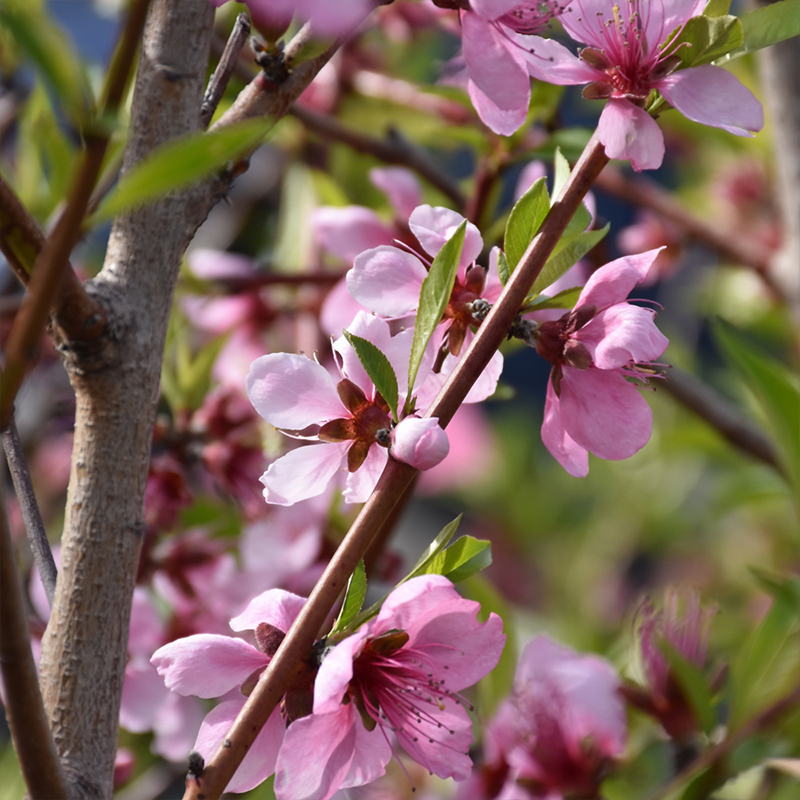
[[34, 527], [53, 259], [227, 64], [392, 485], [722, 415], [646, 193], [27, 720], [718, 752], [394, 149]]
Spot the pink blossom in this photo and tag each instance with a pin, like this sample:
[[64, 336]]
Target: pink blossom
[[684, 627], [626, 59], [420, 442], [211, 665], [348, 420], [494, 33], [399, 674], [560, 729], [327, 18], [590, 405], [387, 280]]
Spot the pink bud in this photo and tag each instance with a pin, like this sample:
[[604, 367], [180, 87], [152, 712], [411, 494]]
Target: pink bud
[[420, 442]]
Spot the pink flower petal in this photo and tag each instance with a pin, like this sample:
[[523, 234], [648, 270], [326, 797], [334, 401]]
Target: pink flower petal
[[359, 484], [336, 672], [433, 226], [613, 282], [400, 186], [500, 120], [494, 65], [548, 60], [213, 265], [176, 726], [350, 230], [387, 281], [302, 473], [317, 754], [292, 392], [259, 763], [563, 448], [206, 664], [492, 9], [275, 607], [713, 96], [622, 334], [338, 309], [631, 134], [604, 413]]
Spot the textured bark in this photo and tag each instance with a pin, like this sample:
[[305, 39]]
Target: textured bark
[[780, 72], [84, 649]]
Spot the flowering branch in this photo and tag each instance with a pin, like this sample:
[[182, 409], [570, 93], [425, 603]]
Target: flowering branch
[[34, 527], [287, 664], [30, 730], [225, 68]]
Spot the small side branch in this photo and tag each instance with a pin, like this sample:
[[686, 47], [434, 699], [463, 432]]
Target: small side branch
[[30, 730], [225, 68], [721, 415], [394, 149], [34, 527]]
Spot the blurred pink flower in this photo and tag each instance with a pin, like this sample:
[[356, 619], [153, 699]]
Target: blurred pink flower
[[211, 665], [399, 674], [590, 405], [626, 59], [558, 732]]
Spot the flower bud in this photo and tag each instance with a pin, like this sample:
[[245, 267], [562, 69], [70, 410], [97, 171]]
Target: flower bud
[[420, 442]]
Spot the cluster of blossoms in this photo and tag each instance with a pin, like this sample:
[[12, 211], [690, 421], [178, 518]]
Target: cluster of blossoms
[[397, 679]]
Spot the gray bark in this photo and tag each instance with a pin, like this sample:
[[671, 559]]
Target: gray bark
[[84, 649]]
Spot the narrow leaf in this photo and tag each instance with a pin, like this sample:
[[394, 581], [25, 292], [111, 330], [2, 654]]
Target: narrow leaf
[[717, 8], [181, 162], [567, 253], [52, 54], [353, 598], [434, 297], [581, 219], [462, 559], [377, 367], [561, 172], [705, 38], [565, 299], [695, 687], [502, 267], [524, 221], [766, 26]]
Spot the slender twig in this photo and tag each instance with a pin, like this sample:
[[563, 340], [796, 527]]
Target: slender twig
[[30, 730], [222, 74], [46, 281], [286, 666], [34, 527], [297, 43], [646, 193], [394, 149], [718, 752], [245, 283], [722, 415]]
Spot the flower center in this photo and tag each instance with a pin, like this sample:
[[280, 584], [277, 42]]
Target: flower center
[[531, 17], [368, 424]]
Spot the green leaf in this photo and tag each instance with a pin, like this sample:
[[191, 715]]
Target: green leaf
[[180, 163], [561, 173], [523, 223], [568, 252], [776, 390], [353, 598], [378, 369], [565, 299], [434, 297], [765, 26], [462, 559], [769, 662], [435, 547], [502, 267], [52, 54], [704, 39], [717, 8], [695, 686]]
